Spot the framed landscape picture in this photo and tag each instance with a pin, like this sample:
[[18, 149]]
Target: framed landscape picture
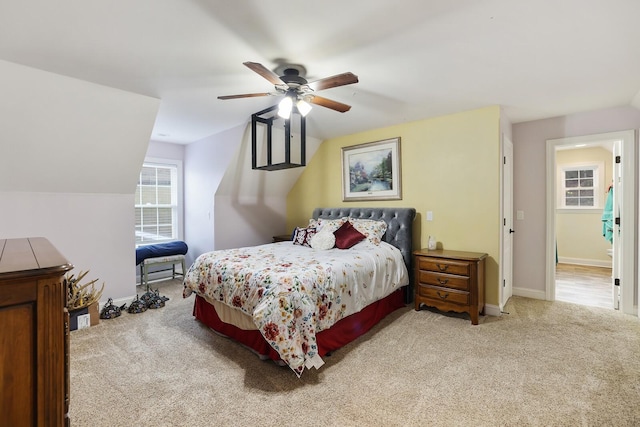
[[371, 171]]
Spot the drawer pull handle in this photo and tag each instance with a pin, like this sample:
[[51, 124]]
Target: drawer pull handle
[[443, 296], [443, 281], [442, 267]]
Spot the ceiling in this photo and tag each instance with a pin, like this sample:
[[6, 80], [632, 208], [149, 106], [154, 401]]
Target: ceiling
[[414, 58]]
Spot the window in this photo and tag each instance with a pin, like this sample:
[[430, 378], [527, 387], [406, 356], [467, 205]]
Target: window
[[579, 186], [156, 203]]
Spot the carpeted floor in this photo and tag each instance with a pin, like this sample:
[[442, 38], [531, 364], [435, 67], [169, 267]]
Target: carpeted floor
[[544, 364]]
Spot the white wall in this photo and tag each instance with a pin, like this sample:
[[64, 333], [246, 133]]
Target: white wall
[[506, 127], [251, 205], [165, 150], [173, 153], [93, 231], [529, 141], [205, 163], [227, 204], [70, 155], [249, 220]]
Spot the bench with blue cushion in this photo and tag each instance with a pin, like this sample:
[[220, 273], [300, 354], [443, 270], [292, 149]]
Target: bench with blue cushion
[[158, 255]]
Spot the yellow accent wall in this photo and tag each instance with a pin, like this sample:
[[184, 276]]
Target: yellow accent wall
[[450, 166]]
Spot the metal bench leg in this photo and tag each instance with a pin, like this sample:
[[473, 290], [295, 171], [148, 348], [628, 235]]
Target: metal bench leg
[[146, 278]]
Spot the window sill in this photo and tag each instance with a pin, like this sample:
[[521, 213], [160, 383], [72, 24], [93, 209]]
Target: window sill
[[579, 210]]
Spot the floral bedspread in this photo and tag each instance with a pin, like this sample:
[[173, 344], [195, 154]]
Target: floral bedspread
[[292, 292]]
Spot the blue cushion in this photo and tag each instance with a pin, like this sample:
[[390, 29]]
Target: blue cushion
[[161, 249]]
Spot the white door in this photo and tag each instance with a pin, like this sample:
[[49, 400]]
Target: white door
[[506, 290], [616, 270]]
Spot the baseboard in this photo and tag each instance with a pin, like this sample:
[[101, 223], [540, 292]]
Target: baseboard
[[117, 302], [529, 293], [492, 310], [587, 262], [152, 278]]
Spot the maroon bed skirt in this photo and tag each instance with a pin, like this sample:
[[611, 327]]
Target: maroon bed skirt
[[340, 334]]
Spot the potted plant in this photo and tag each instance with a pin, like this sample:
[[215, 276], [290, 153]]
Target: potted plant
[[82, 299]]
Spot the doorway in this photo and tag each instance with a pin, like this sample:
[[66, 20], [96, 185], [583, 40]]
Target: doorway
[[622, 144]]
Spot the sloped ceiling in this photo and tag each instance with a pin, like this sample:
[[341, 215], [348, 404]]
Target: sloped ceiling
[[415, 58], [64, 135]]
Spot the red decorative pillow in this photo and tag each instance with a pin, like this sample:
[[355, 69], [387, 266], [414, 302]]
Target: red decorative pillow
[[302, 236], [347, 236]]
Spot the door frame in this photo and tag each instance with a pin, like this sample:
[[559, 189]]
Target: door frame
[[506, 211], [616, 261], [628, 280]]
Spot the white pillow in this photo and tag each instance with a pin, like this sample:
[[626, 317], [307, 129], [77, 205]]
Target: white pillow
[[330, 224], [323, 240], [373, 229]]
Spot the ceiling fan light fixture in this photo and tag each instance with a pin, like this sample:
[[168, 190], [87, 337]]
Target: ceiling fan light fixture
[[288, 80], [303, 107], [284, 107]]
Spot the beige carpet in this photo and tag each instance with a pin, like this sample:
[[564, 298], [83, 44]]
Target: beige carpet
[[544, 364]]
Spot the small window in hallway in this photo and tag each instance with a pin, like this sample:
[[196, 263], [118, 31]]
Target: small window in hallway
[[579, 187]]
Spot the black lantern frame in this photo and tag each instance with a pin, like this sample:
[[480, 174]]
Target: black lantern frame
[[266, 117]]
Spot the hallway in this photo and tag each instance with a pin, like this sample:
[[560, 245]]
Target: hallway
[[585, 285]]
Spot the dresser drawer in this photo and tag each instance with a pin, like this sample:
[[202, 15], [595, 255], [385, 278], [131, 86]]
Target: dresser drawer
[[443, 280], [443, 294], [444, 266]]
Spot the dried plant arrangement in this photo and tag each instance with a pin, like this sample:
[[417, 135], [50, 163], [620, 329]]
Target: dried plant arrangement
[[79, 295]]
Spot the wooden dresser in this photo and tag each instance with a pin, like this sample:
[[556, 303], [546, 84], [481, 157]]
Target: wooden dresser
[[450, 281], [34, 334]]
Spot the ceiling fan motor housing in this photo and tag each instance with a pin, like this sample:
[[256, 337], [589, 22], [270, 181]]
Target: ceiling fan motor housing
[[292, 77]]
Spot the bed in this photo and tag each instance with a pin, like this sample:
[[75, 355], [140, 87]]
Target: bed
[[292, 303]]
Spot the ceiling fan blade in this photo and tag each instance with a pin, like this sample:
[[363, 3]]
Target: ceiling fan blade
[[334, 81], [264, 72], [246, 95], [328, 103]]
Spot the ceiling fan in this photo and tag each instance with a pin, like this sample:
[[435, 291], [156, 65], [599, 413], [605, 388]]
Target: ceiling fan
[[296, 89]]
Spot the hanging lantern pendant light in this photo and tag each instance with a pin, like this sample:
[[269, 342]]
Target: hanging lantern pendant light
[[266, 119]]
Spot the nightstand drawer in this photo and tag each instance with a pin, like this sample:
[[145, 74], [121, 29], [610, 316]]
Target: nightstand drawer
[[444, 266], [444, 280], [443, 294]]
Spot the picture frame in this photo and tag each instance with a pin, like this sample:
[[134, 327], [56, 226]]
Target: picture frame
[[372, 171]]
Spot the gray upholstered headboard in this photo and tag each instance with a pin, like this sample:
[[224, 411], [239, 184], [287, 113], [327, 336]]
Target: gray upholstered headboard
[[399, 224]]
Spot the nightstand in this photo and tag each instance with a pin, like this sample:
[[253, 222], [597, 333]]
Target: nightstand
[[282, 238], [450, 281]]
